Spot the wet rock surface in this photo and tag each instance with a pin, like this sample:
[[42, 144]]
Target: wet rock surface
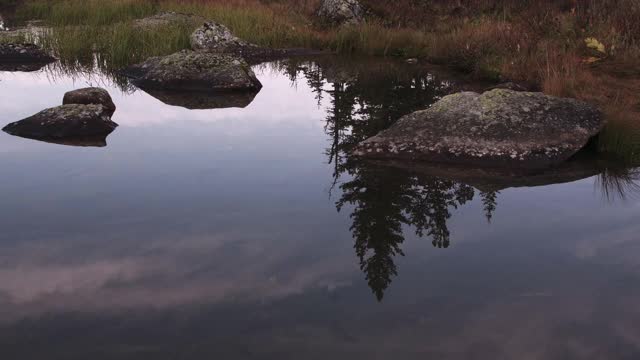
[[340, 12], [194, 71], [72, 123], [497, 128], [90, 95], [23, 57]]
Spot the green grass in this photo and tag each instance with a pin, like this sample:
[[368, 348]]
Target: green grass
[[76, 22], [621, 140], [85, 12], [118, 45]]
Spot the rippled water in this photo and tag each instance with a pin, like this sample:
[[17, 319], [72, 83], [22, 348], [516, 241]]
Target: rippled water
[[241, 233]]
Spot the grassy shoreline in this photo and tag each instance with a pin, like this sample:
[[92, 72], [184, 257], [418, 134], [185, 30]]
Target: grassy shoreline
[[582, 49]]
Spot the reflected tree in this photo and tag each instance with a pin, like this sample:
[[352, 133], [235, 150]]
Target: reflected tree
[[364, 101], [489, 203]]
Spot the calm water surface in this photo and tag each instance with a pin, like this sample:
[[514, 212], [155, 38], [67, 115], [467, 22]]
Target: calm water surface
[[249, 233]]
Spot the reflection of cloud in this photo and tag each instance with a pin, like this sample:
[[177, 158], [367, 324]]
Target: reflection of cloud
[[27, 93], [164, 273], [30, 283]]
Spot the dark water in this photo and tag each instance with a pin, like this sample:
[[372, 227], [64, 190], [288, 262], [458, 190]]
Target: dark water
[[249, 233]]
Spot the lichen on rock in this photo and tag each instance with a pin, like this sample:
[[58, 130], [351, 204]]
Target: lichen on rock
[[340, 12], [498, 128], [194, 71], [65, 122], [90, 95]]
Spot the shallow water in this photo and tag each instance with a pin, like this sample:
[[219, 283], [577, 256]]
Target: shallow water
[[249, 233]]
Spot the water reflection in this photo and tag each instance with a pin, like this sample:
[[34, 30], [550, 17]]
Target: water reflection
[[386, 197], [210, 233], [203, 100], [365, 100], [82, 141]]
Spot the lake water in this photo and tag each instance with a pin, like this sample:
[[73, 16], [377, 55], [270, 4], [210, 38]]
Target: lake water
[[249, 233]]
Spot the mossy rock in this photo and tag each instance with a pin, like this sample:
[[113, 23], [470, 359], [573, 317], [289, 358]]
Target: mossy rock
[[497, 128]]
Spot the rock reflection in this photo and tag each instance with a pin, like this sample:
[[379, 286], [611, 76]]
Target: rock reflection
[[383, 197], [203, 100], [84, 141]]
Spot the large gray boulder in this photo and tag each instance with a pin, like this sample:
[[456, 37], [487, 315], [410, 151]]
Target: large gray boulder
[[194, 71], [66, 122], [340, 12], [23, 57], [90, 95], [497, 128]]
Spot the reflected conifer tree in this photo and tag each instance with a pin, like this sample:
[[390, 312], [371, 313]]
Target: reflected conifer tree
[[489, 203], [382, 201]]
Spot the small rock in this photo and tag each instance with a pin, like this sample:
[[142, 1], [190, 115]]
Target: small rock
[[64, 122], [90, 95], [212, 36], [340, 12], [412, 61], [217, 38]]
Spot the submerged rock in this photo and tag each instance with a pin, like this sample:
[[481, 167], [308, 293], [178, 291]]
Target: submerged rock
[[194, 71], [200, 100], [65, 124], [23, 57], [340, 12], [90, 95], [497, 128]]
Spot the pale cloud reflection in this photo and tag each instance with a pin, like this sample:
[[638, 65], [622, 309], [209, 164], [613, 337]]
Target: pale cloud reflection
[[27, 93], [161, 273]]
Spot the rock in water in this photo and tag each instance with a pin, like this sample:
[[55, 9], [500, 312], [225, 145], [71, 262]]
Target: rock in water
[[497, 128], [194, 71], [340, 12], [65, 122], [90, 95], [23, 57]]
